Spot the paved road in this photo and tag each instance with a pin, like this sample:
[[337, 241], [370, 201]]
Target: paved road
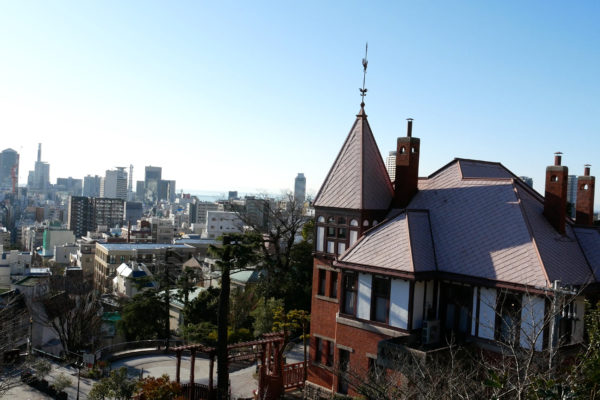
[[243, 382]]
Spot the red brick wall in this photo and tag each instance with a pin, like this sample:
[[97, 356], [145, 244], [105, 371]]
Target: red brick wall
[[361, 342], [585, 200]]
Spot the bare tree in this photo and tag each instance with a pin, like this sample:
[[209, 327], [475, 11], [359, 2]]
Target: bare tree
[[14, 329], [73, 312], [279, 222], [513, 363]]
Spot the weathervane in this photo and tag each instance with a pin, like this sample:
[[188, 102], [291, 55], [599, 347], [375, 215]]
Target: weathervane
[[363, 91]]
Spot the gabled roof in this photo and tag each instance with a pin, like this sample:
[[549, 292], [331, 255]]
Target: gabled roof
[[358, 178], [481, 221]]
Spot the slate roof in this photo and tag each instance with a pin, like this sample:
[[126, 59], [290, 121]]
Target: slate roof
[[477, 219], [358, 178], [402, 244]]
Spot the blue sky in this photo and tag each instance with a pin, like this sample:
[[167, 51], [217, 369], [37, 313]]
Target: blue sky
[[244, 95]]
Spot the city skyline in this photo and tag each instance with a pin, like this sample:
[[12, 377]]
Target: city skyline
[[259, 92]]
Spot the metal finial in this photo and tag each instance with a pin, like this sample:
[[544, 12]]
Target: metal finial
[[365, 62]]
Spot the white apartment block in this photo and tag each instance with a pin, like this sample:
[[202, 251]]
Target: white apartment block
[[221, 222]]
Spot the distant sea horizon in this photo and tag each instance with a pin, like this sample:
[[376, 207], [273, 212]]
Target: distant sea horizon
[[215, 195]]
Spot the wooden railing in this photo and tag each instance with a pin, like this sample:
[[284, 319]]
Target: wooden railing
[[293, 375], [197, 391]]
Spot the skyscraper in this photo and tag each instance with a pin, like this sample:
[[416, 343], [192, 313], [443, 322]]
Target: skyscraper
[[114, 184], [91, 186], [9, 169], [41, 173], [300, 188], [572, 194], [390, 165], [152, 177], [87, 213]]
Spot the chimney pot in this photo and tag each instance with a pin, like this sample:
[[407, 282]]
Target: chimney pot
[[557, 158], [409, 128], [586, 171]]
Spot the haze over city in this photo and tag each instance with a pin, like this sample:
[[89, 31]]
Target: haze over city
[[240, 96]]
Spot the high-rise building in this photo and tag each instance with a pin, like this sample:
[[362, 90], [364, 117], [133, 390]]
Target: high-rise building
[[300, 188], [390, 165], [69, 185], [133, 212], [91, 186], [140, 190], [114, 184], [87, 213], [80, 217], [41, 173], [166, 190], [233, 194], [152, 177], [572, 194], [9, 170]]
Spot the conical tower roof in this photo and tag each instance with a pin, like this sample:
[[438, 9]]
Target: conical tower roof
[[358, 178]]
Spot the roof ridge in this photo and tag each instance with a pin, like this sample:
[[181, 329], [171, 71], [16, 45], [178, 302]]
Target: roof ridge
[[335, 161], [530, 231], [410, 242]]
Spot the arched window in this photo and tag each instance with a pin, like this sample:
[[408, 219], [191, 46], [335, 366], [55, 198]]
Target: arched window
[[353, 222], [554, 178], [402, 150], [331, 220], [321, 219], [366, 222]]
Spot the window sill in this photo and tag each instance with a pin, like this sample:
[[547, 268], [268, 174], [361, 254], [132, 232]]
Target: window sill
[[325, 298], [370, 326]]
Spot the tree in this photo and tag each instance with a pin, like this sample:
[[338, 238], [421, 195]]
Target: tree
[[264, 314], [73, 312], [238, 252], [186, 283], [162, 388], [291, 322], [135, 323], [585, 373], [203, 308], [14, 326], [116, 386], [279, 224], [61, 382], [511, 365]]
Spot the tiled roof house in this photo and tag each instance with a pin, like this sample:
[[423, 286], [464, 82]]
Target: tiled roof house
[[468, 251]]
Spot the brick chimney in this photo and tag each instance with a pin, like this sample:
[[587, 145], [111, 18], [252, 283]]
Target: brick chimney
[[584, 210], [555, 203], [407, 168]]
